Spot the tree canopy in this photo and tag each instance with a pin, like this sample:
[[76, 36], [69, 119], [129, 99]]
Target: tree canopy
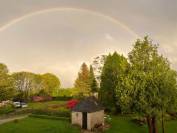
[[113, 74]]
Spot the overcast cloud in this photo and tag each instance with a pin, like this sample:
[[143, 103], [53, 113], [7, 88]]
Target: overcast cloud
[[59, 41]]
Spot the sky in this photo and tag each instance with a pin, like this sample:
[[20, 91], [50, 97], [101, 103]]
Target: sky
[[57, 36]]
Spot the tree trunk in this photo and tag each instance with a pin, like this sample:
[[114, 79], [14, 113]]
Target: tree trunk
[[149, 123], [154, 125], [163, 128]]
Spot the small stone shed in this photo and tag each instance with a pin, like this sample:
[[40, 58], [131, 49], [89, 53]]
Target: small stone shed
[[88, 113]]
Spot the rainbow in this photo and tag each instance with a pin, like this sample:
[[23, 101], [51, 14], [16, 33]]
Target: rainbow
[[113, 20]]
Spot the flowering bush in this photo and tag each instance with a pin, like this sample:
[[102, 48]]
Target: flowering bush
[[72, 103], [41, 98]]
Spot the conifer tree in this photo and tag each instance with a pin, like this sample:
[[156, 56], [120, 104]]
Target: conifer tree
[[83, 80]]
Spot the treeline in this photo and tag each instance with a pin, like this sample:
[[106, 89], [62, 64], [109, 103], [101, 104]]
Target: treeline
[[24, 85], [143, 83]]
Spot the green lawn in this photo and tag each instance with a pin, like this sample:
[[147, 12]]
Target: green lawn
[[37, 125], [122, 124], [119, 124]]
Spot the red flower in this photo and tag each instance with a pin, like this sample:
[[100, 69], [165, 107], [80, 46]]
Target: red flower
[[72, 103]]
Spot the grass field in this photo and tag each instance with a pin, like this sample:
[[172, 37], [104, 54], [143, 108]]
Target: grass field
[[124, 124], [119, 124], [37, 125]]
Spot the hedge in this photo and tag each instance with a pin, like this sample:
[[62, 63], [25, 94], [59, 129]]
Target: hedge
[[51, 113], [49, 117]]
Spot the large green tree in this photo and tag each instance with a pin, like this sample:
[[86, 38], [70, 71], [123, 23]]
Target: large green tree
[[51, 84], [7, 90], [28, 84], [113, 74], [25, 84], [83, 80], [97, 64], [152, 83]]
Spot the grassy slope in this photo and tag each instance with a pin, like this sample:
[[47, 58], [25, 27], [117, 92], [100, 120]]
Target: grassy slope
[[36, 125]]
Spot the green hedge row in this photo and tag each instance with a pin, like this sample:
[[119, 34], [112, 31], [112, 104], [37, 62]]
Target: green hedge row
[[50, 117], [51, 113], [6, 109], [62, 98]]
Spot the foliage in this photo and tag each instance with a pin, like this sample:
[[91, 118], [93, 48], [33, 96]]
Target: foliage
[[29, 84], [152, 83], [49, 117], [93, 82], [113, 74], [25, 84], [83, 80], [72, 103], [98, 63], [51, 83], [6, 84], [8, 108], [57, 113]]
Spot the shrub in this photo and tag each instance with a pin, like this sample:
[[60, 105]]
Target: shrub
[[51, 112], [72, 103], [62, 98], [49, 117], [41, 98], [8, 108]]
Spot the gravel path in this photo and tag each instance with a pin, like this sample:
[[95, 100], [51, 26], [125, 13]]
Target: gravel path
[[4, 120]]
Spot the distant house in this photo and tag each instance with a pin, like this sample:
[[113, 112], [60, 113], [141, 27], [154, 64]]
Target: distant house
[[88, 113]]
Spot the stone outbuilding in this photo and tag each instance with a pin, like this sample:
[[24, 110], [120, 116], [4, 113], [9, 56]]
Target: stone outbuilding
[[88, 114]]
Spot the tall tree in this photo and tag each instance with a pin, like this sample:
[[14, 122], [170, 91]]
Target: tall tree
[[51, 83], [83, 80], [7, 90], [113, 72], [93, 82], [152, 82], [98, 63], [25, 84]]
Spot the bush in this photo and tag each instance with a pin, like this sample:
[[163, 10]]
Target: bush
[[41, 98], [62, 98], [8, 108], [51, 112], [49, 117], [72, 103]]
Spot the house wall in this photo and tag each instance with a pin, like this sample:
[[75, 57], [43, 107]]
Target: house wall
[[76, 118], [95, 118]]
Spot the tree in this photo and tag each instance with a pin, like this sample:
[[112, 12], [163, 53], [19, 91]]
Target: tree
[[25, 84], [83, 80], [113, 73], [97, 65], [93, 82], [152, 82], [6, 84], [51, 83]]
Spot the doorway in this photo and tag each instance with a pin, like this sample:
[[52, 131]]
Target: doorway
[[84, 120]]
